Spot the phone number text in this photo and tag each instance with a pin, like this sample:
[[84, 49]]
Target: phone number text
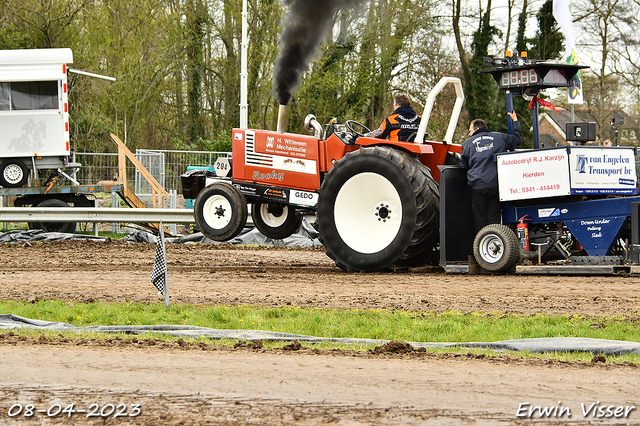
[[526, 189]]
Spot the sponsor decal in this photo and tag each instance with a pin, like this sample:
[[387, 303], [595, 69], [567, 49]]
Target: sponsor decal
[[275, 193], [237, 136], [248, 190], [303, 198], [286, 147], [293, 164], [549, 212]]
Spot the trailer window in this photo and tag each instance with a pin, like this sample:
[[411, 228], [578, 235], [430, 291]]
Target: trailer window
[[29, 95], [5, 97]]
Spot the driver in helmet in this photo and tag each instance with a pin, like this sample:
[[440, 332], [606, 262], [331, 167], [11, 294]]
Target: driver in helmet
[[400, 125]]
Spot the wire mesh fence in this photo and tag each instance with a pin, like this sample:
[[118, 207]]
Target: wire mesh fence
[[165, 166], [176, 163]]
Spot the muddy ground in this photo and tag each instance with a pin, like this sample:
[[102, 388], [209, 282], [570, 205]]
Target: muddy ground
[[204, 384]]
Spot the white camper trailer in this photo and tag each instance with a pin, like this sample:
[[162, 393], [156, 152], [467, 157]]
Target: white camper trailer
[[34, 113]]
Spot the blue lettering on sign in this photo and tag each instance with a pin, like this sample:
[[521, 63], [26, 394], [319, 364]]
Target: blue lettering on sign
[[596, 235], [626, 181], [268, 176]]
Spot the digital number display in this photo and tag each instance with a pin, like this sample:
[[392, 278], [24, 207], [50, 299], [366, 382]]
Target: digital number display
[[524, 78], [519, 78], [555, 78]]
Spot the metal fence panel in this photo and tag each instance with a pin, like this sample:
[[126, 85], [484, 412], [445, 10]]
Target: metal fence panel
[[176, 163], [165, 165]]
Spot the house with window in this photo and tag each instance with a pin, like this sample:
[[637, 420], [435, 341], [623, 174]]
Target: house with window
[[553, 125]]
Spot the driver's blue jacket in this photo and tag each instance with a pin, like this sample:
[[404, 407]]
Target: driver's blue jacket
[[478, 155]]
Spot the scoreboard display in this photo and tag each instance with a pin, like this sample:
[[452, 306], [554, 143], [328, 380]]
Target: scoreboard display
[[533, 76], [529, 77]]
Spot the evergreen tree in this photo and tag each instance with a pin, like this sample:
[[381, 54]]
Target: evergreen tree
[[548, 42], [481, 90]]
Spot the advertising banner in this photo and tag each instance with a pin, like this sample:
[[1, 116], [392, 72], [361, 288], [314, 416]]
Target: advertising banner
[[602, 170], [533, 174]]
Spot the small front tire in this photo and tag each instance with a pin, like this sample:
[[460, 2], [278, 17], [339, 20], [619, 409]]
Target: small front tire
[[220, 211]]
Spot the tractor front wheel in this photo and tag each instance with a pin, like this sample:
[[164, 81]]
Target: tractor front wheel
[[378, 209], [220, 211]]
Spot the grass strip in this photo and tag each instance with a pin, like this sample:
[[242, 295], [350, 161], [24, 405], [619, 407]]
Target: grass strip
[[369, 324], [372, 324]]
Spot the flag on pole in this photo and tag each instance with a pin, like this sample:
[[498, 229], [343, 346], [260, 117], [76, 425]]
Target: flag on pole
[[159, 272], [562, 14]]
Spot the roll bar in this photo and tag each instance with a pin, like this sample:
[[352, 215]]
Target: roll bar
[[455, 114]]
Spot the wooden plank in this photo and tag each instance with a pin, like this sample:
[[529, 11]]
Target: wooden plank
[[148, 176]]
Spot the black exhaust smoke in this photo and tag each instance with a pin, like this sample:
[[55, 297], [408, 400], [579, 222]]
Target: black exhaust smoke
[[305, 25]]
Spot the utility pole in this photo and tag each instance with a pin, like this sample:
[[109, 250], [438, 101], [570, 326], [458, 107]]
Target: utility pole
[[244, 108]]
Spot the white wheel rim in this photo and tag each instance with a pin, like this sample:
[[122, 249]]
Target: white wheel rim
[[272, 220], [217, 212], [491, 248], [13, 173], [368, 213]]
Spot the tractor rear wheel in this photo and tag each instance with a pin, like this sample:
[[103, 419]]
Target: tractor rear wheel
[[220, 211], [496, 248], [275, 220], [378, 208]]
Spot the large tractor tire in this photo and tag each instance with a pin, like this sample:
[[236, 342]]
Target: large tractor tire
[[64, 227], [378, 209], [275, 220], [496, 248], [220, 211]]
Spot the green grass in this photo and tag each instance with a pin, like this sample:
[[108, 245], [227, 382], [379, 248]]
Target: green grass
[[371, 324]]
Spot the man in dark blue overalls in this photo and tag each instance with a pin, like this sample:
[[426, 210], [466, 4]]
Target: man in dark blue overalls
[[478, 157]]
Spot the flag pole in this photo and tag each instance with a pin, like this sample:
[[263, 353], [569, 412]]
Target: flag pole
[[166, 272]]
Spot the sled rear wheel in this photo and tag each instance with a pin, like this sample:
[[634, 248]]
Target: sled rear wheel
[[496, 248]]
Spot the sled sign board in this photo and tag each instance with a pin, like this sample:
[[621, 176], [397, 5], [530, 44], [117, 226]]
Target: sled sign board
[[533, 174], [606, 170]]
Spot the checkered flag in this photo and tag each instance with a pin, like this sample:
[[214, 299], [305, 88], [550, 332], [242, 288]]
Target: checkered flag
[[159, 272]]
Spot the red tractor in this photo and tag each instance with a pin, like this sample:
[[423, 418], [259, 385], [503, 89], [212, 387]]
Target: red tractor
[[377, 201]]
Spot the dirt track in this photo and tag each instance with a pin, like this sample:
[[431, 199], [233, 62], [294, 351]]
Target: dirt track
[[240, 386]]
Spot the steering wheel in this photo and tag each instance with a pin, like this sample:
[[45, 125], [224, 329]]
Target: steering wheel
[[351, 123]]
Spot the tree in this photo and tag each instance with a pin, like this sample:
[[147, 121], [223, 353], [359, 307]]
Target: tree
[[548, 42], [482, 93], [42, 23], [607, 25], [195, 28]]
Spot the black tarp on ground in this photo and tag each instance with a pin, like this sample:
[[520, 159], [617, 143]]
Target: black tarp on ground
[[306, 236]]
